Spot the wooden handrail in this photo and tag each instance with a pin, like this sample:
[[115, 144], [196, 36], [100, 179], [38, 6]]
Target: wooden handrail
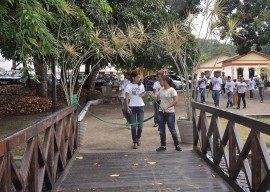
[[49, 145], [226, 153]]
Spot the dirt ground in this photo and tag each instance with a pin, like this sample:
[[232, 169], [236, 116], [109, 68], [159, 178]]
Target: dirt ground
[[102, 137]]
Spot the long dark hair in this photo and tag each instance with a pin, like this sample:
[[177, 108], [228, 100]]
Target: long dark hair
[[133, 75], [168, 80]]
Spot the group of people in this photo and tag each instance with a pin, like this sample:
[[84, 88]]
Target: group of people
[[165, 96], [225, 85]]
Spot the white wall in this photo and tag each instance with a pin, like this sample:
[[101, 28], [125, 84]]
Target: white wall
[[232, 71], [6, 64]]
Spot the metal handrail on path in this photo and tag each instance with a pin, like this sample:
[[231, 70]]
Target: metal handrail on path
[[246, 167], [44, 150]]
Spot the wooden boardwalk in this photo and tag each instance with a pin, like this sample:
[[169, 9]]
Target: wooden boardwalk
[[165, 171]]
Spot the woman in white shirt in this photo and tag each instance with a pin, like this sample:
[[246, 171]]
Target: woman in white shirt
[[251, 87], [229, 87], [241, 91], [168, 99], [261, 87], [135, 106]]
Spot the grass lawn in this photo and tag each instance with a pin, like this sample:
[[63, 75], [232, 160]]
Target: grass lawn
[[244, 131]]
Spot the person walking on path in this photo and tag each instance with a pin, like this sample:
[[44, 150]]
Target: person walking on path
[[156, 88], [251, 87], [202, 86], [229, 88], [216, 82], [241, 88], [168, 99], [122, 96], [135, 106], [224, 79], [261, 86], [195, 88]]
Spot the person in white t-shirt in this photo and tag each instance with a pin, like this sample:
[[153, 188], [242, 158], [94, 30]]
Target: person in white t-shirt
[[261, 86], [135, 106], [202, 86], [224, 80], [241, 92], [168, 99], [156, 88], [229, 88], [251, 87], [122, 96], [216, 82]]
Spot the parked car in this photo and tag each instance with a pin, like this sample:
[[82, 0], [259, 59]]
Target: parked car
[[178, 82], [149, 81], [12, 77], [105, 80]]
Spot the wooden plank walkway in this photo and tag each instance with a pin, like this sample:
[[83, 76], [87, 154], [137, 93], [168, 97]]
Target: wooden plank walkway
[[165, 171]]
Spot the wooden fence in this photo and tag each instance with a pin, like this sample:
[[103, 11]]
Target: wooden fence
[[33, 158], [225, 152]]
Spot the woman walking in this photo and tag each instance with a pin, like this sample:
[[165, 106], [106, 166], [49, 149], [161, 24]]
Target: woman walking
[[168, 99], [229, 88], [241, 92], [261, 87], [135, 106], [251, 87]]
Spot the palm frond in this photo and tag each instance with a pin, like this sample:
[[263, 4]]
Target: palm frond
[[70, 49]]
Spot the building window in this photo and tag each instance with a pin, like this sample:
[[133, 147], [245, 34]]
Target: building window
[[251, 72], [240, 72]]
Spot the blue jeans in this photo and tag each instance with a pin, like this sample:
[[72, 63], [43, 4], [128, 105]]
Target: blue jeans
[[202, 92], [251, 93], [261, 92], [230, 95], [124, 109], [168, 118], [136, 115], [215, 96], [156, 110]]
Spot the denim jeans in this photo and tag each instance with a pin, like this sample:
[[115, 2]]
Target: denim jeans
[[251, 93], [241, 95], [168, 118], [215, 96], [230, 95], [124, 109], [202, 92], [261, 91], [156, 110], [136, 115]]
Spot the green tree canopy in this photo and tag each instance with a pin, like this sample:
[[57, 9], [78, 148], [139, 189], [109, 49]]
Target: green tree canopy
[[253, 23]]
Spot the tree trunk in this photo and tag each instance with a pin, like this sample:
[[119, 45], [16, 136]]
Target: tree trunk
[[28, 80], [41, 72], [90, 82]]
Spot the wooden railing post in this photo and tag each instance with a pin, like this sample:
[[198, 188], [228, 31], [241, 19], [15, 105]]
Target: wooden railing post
[[256, 162], [4, 168], [232, 151]]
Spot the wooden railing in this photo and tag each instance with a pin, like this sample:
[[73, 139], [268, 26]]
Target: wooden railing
[[226, 153], [33, 158]]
